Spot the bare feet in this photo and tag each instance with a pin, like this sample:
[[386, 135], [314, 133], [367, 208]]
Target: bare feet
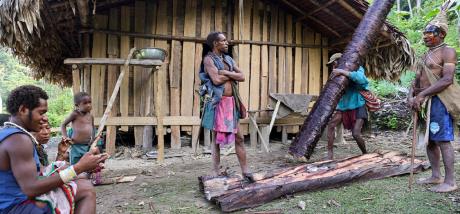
[[248, 177], [444, 188], [292, 159], [430, 180]]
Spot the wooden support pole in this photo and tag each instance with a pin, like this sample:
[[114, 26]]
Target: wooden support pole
[[195, 39], [112, 72], [161, 79], [76, 85]]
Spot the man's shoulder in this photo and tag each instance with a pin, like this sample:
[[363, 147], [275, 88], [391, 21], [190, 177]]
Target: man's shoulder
[[17, 139], [449, 54], [6, 132]]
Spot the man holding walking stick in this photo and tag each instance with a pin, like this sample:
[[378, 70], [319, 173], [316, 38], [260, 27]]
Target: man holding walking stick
[[432, 95]]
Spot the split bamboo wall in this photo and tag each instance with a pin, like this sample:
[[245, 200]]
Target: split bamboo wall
[[277, 55]]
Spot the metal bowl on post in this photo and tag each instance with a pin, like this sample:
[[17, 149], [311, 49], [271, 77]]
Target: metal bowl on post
[[150, 53]]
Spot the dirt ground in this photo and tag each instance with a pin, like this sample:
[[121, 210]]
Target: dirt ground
[[172, 187]]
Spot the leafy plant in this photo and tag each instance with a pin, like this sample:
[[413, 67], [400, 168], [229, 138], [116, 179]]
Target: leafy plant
[[14, 74]]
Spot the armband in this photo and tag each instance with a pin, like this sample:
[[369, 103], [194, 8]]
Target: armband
[[68, 174]]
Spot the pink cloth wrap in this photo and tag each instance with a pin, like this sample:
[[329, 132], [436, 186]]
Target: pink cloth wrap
[[225, 122]]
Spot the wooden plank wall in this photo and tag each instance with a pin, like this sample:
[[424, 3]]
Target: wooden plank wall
[[268, 68]]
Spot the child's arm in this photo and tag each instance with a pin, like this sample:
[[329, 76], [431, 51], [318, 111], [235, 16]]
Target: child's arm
[[69, 119]]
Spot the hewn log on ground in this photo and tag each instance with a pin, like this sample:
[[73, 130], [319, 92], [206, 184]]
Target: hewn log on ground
[[362, 41], [231, 193]]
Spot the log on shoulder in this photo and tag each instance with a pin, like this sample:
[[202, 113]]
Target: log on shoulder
[[231, 193], [352, 58]]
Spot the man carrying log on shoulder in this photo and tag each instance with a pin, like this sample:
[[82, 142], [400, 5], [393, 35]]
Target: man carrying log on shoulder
[[222, 104], [351, 109], [432, 97], [22, 190]]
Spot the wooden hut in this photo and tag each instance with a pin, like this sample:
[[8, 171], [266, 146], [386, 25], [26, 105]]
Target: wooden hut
[[281, 45]]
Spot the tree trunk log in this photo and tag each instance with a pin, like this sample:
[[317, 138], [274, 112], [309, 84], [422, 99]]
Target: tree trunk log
[[231, 193], [362, 40]]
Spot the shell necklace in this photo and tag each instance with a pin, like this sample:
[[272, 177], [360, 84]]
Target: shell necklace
[[11, 124]]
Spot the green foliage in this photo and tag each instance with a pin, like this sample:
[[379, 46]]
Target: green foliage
[[14, 74], [383, 88], [412, 27], [392, 122]]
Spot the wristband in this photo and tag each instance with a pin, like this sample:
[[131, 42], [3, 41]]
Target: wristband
[[68, 174]]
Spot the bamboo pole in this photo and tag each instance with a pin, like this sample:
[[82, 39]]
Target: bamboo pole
[[112, 99]]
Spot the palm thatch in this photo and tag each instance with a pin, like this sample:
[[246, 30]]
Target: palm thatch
[[389, 60], [338, 19], [42, 33], [34, 37]]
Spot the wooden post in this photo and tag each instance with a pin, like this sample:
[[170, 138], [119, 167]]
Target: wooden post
[[284, 135], [175, 67], [98, 71], [75, 79], [161, 78], [254, 89], [140, 79], [188, 64], [161, 97], [124, 50], [113, 52]]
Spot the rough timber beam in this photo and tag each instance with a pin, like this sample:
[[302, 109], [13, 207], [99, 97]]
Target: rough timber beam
[[301, 12], [316, 10], [350, 9]]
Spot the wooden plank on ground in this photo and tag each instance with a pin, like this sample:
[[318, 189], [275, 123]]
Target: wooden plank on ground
[[315, 67], [281, 52], [98, 71], [325, 53], [188, 63], [228, 194], [139, 82], [175, 67], [112, 75], [124, 51]]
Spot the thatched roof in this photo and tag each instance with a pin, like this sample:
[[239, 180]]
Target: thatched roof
[[338, 19], [42, 33]]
